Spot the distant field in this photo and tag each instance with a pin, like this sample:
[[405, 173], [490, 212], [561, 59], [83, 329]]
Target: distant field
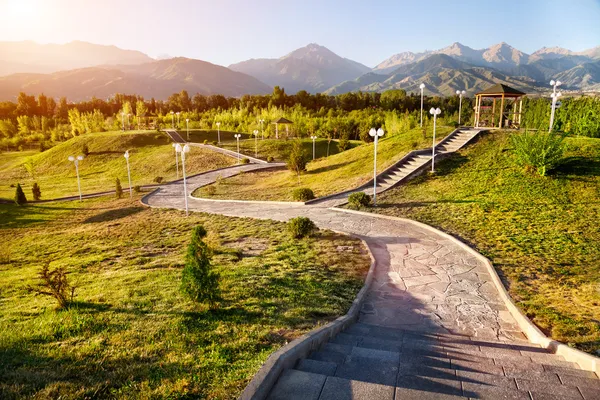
[[151, 156], [541, 233], [131, 334], [324, 176]]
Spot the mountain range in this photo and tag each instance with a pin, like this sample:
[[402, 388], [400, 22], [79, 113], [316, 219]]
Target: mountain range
[[80, 71]]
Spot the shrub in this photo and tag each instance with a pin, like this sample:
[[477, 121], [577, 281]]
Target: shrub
[[540, 151], [20, 198], [137, 188], [36, 191], [214, 143], [85, 150], [54, 283], [211, 190], [43, 147], [344, 143], [198, 281], [302, 194], [158, 179], [358, 200], [245, 161], [300, 227], [270, 159], [205, 141], [118, 189], [297, 160]]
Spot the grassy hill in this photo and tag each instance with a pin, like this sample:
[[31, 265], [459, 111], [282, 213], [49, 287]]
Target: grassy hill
[[324, 176], [151, 156], [541, 233], [131, 334]]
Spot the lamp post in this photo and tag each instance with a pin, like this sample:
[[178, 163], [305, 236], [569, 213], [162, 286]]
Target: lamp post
[[460, 94], [262, 130], [375, 134], [177, 113], [126, 155], [187, 127], [176, 159], [123, 121], [218, 133], [435, 112], [422, 86], [173, 119], [255, 143], [313, 139], [237, 138], [555, 95], [183, 150], [76, 160]]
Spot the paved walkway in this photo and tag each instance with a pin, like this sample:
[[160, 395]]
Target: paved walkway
[[423, 280]]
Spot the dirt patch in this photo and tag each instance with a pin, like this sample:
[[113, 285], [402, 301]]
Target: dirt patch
[[249, 246]]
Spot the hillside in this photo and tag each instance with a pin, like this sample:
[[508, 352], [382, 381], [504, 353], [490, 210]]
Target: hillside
[[312, 68], [28, 57], [158, 79], [151, 155], [541, 233]]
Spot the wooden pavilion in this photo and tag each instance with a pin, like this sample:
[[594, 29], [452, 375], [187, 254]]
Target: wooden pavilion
[[285, 122], [506, 114]]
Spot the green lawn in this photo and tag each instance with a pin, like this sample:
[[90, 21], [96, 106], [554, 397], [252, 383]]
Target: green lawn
[[199, 136], [151, 156], [324, 176], [541, 233], [131, 334]]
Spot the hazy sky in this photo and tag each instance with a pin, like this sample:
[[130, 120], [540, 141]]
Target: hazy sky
[[228, 31]]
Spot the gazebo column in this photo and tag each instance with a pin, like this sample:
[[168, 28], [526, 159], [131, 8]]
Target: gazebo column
[[501, 111], [276, 131], [520, 110], [477, 110], [494, 113]]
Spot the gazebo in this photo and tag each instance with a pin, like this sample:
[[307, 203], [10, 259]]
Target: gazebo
[[282, 121], [507, 116]]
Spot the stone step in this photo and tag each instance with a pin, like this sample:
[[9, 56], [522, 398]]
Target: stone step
[[316, 367], [297, 385]]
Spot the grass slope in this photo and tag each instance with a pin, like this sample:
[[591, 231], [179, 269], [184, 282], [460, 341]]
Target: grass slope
[[541, 233], [324, 176], [151, 156], [131, 334]]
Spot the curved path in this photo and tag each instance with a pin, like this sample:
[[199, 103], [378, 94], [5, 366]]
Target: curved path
[[423, 281]]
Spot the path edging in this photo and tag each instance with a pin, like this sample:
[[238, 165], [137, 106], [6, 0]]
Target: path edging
[[286, 357], [534, 334]]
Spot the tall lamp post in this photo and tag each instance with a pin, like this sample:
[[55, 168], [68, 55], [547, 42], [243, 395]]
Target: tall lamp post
[[237, 138], [375, 134], [555, 95], [422, 86], [262, 130], [187, 127], [255, 143], [218, 133], [76, 160], [183, 150], [173, 119], [460, 96], [313, 139], [176, 159], [126, 155], [435, 112], [177, 113]]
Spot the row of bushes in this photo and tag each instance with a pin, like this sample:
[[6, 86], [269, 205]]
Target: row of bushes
[[577, 116]]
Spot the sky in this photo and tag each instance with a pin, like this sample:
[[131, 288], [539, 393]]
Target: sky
[[228, 31]]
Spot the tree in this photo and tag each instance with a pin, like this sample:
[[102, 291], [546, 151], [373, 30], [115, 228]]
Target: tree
[[198, 281], [118, 189], [20, 198], [36, 191], [140, 110], [297, 161], [54, 283]]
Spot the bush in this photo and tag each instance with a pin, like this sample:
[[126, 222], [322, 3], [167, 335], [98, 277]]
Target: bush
[[211, 190], [118, 189], [303, 194], [137, 188], [20, 198], [300, 227], [43, 147], [245, 161], [540, 151], [297, 160], [85, 150], [205, 141], [36, 191], [158, 179], [343, 143], [270, 159], [359, 200], [54, 283], [198, 281], [214, 143]]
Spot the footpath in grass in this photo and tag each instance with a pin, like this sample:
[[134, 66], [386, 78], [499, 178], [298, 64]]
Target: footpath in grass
[[541, 233], [131, 334], [151, 156], [339, 172]]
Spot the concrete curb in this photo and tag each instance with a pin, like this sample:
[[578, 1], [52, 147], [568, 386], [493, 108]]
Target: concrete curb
[[534, 334], [286, 357]]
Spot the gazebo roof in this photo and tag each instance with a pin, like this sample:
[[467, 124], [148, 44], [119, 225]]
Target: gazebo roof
[[499, 89], [283, 121]]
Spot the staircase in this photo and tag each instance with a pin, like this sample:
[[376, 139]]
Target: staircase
[[374, 362]]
